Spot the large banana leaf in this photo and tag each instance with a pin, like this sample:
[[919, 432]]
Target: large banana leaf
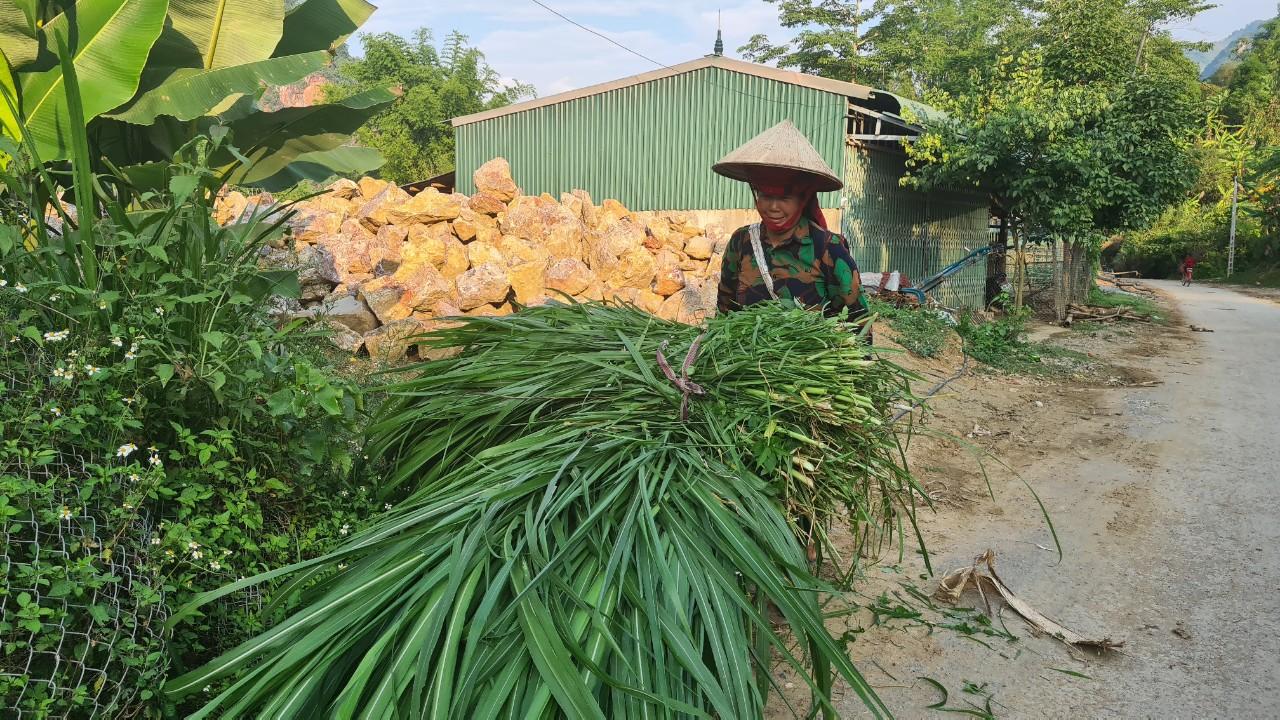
[[109, 44], [190, 93], [9, 123], [281, 137], [219, 33], [19, 39], [346, 161], [321, 25]]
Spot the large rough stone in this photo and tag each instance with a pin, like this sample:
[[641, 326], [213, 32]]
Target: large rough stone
[[486, 204], [370, 187], [428, 206], [229, 207], [620, 258], [344, 188], [691, 305], [668, 277], [383, 295], [427, 243], [494, 178], [389, 243], [699, 247], [425, 286], [430, 349], [350, 312], [376, 212], [465, 228], [310, 226], [570, 276], [392, 341], [610, 212], [517, 251], [455, 259], [546, 223], [357, 250], [342, 337], [491, 310], [487, 283], [649, 301], [317, 272], [528, 281], [481, 252]]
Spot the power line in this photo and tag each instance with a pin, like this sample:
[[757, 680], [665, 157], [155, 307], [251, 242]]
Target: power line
[[600, 35], [642, 56]]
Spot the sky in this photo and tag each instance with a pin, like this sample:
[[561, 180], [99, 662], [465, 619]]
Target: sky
[[525, 42]]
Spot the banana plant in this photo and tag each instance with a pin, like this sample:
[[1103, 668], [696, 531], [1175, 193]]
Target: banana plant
[[156, 73]]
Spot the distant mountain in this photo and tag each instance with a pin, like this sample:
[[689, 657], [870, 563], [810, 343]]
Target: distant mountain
[[1223, 50]]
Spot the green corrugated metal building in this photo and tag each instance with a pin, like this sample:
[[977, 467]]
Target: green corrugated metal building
[[649, 141]]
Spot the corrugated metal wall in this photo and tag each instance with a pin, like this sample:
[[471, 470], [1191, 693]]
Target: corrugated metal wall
[[651, 146], [890, 227]]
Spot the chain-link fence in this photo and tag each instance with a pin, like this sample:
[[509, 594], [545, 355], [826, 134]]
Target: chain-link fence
[[1049, 275], [890, 227], [83, 614]]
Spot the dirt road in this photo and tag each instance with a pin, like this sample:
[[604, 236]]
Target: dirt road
[[1164, 499]]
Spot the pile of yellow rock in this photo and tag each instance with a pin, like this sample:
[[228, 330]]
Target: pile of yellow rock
[[379, 265]]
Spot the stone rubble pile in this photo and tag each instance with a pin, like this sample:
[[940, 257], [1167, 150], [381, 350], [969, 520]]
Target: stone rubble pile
[[379, 266]]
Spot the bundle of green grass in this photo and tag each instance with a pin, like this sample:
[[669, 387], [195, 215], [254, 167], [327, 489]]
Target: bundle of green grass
[[597, 514]]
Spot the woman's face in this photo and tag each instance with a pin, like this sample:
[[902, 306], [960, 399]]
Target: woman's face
[[777, 208]]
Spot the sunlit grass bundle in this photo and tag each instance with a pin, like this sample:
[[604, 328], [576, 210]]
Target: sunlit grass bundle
[[580, 532]]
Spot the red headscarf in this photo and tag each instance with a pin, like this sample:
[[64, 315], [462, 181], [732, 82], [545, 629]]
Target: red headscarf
[[783, 181]]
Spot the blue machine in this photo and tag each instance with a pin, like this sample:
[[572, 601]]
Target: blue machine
[[932, 283]]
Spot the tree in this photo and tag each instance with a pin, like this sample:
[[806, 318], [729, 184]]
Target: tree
[[1087, 132], [435, 85], [904, 46]]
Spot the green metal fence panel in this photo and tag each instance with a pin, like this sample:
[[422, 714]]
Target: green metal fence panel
[[651, 145], [890, 227]]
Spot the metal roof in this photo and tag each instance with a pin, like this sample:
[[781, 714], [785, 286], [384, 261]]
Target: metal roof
[[835, 87]]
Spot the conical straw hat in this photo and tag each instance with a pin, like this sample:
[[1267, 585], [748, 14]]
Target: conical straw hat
[[781, 146]]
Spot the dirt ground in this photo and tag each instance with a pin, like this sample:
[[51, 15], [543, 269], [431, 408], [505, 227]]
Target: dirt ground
[[1157, 462]]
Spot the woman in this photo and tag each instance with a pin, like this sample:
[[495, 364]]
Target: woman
[[790, 254]]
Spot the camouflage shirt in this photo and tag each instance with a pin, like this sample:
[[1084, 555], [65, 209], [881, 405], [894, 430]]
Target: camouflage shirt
[[812, 267]]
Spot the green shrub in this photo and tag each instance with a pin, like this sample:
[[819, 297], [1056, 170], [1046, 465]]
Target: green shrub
[[998, 343], [155, 411]]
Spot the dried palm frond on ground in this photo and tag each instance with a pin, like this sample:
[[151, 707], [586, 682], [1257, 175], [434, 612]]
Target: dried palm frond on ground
[[594, 511]]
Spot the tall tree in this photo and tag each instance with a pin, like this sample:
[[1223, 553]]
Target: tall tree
[[435, 84]]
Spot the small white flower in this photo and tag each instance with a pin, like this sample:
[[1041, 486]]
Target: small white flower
[[342, 566], [57, 411], [343, 493], [127, 506], [102, 304], [159, 311], [226, 553], [193, 545], [20, 288], [13, 338], [129, 356], [133, 477], [196, 554], [55, 297], [126, 450], [92, 370], [215, 565], [345, 529], [155, 460], [155, 540], [128, 401], [65, 513], [206, 688], [361, 489], [72, 354], [4, 283], [168, 553], [386, 506], [133, 347], [57, 336], [117, 341]]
